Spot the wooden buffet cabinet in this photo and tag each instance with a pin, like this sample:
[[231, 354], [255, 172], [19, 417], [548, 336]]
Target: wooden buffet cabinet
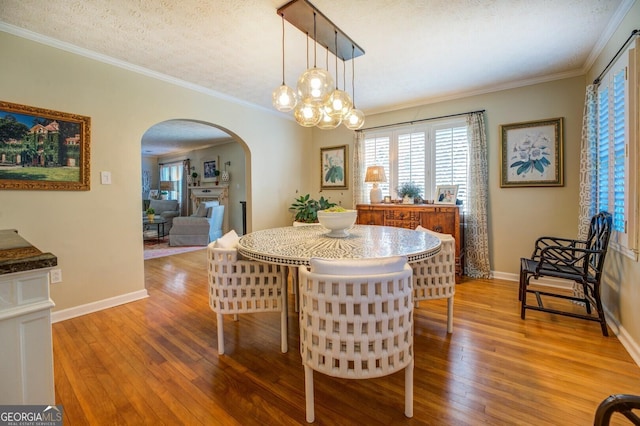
[[445, 219]]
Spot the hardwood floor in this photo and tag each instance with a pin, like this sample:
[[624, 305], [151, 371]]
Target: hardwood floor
[[155, 361]]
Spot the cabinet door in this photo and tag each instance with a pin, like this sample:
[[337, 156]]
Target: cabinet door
[[370, 217], [440, 220]]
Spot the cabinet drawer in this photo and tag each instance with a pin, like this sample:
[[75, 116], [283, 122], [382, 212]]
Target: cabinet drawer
[[402, 218]]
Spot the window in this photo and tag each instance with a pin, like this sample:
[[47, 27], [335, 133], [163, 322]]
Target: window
[[173, 172], [431, 154], [615, 188]]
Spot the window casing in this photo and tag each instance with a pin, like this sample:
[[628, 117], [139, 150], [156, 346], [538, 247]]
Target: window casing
[[428, 154]]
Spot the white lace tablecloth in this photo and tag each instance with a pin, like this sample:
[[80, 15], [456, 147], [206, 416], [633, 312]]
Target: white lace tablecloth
[[295, 245]]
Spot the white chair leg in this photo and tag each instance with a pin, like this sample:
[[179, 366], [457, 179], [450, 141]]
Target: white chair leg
[[220, 334], [294, 283], [450, 315], [284, 343], [408, 390], [308, 392]]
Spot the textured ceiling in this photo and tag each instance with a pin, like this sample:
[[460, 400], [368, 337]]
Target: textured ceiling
[[417, 51]]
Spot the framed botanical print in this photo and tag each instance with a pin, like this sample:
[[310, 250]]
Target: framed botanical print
[[333, 167], [531, 153]]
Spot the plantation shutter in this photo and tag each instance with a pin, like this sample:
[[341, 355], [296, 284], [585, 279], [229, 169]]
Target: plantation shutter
[[411, 158], [376, 153], [619, 150], [427, 155], [603, 150], [612, 145], [452, 158]]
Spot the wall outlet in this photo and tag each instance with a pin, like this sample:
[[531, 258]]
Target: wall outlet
[[55, 275]]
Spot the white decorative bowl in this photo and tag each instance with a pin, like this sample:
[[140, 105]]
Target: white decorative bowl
[[338, 223]]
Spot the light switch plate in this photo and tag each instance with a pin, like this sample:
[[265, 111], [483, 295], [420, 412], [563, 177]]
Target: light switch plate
[[105, 178]]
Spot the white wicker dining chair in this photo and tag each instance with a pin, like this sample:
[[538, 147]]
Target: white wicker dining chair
[[238, 286], [356, 321], [435, 277]]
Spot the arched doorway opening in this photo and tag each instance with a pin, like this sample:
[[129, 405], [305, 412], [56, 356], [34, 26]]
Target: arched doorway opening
[[182, 151]]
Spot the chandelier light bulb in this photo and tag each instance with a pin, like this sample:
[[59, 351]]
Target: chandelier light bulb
[[284, 98], [355, 119], [339, 104], [328, 122], [307, 115], [314, 85]]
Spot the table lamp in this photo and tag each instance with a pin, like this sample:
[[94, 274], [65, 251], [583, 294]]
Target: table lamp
[[167, 186], [375, 174]]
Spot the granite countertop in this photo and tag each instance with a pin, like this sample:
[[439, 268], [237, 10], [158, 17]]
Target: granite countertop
[[17, 254]]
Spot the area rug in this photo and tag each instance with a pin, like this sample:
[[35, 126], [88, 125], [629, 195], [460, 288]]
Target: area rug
[[152, 251]]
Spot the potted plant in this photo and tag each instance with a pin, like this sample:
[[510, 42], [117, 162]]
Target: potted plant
[[150, 212], [194, 176], [409, 191], [306, 208]]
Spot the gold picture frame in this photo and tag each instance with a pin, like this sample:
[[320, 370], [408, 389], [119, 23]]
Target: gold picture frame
[[531, 153], [43, 149]]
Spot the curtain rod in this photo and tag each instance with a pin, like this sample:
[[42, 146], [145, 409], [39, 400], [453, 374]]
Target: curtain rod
[[624, 46], [419, 120]]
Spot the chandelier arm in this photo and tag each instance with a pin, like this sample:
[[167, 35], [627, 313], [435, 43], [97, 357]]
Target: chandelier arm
[[353, 76], [282, 15], [344, 75], [315, 45], [336, 33], [307, 51], [326, 61]]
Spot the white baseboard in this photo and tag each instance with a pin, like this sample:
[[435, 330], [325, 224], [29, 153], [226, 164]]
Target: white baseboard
[[550, 282], [77, 311], [627, 341]]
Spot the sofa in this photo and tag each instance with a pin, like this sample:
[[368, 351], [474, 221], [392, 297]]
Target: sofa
[[199, 229], [167, 209]]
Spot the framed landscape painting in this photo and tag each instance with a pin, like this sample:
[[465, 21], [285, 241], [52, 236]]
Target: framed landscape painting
[[333, 167], [531, 153], [42, 149]]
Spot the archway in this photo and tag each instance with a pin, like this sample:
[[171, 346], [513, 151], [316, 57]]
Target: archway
[[174, 141]]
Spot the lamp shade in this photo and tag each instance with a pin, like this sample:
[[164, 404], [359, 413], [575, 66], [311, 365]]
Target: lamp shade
[[375, 174], [166, 185]]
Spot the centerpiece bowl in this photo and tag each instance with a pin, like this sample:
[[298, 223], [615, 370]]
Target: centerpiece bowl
[[337, 222]]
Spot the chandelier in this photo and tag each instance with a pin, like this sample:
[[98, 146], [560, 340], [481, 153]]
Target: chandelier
[[316, 101]]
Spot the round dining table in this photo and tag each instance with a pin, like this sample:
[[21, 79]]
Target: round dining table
[[296, 245]]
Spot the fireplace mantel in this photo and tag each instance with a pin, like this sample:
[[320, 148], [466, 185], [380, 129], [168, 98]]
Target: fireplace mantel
[[220, 193]]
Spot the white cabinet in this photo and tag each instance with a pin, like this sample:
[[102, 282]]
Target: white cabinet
[[26, 350]]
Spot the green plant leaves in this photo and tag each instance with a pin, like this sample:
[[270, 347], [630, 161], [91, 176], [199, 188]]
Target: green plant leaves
[[306, 208]]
